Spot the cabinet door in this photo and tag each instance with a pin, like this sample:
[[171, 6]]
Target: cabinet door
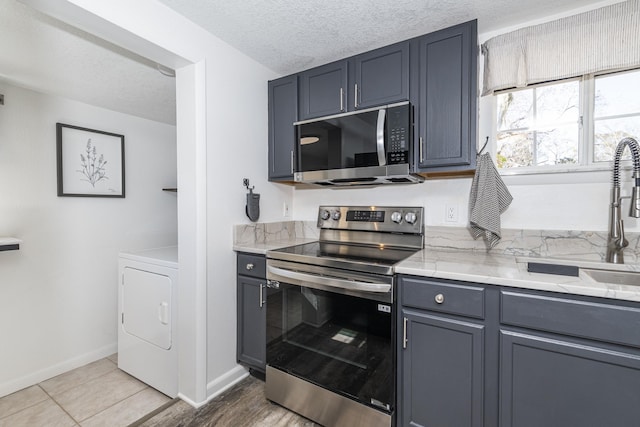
[[380, 77], [556, 383], [441, 371], [283, 111], [323, 90], [252, 321], [446, 102]]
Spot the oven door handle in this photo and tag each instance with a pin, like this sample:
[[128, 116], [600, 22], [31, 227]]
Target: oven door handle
[[330, 282]]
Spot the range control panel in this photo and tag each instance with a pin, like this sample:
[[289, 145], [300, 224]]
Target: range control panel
[[391, 219]]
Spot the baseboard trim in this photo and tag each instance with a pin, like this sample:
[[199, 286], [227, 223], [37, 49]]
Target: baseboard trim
[[219, 385], [49, 372]]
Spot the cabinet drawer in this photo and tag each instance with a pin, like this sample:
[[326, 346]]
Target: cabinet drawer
[[252, 265], [444, 297], [616, 324]]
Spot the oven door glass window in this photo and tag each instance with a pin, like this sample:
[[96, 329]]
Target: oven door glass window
[[339, 342]]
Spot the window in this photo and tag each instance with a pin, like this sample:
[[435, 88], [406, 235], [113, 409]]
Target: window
[[572, 123], [616, 112]]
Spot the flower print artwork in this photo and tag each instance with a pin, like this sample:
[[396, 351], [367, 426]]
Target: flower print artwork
[[92, 166], [90, 162]]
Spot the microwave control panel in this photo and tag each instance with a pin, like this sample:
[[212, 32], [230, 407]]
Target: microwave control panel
[[398, 134]]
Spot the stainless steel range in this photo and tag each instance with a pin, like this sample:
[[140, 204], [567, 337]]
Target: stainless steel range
[[331, 315]]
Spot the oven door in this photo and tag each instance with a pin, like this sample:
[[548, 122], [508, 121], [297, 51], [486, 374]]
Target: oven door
[[334, 329]]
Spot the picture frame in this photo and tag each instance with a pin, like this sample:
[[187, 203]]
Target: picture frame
[[90, 162]]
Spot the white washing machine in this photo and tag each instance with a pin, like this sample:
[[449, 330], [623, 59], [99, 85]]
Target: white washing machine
[[147, 307]]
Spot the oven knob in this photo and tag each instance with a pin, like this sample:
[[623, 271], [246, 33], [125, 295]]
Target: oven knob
[[325, 215], [396, 217], [410, 217], [335, 215]]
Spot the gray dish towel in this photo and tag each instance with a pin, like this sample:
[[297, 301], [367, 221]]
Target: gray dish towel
[[488, 199]]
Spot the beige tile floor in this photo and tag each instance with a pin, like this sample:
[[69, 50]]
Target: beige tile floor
[[94, 395]]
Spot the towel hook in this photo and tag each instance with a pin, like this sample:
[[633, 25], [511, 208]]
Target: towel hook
[[484, 146]]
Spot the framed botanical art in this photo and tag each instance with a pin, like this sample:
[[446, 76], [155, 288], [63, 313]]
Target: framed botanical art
[[90, 162]]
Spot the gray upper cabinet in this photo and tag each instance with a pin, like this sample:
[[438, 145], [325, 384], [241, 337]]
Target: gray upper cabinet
[[373, 78], [323, 90], [380, 77], [283, 111], [437, 72], [445, 70]]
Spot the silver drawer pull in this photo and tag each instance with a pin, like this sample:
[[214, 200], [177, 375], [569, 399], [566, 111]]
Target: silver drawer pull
[[439, 299], [250, 266]]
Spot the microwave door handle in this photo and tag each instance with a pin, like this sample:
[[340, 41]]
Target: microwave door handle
[[382, 158], [329, 282]]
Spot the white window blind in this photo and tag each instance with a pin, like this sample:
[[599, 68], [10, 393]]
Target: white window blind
[[600, 40]]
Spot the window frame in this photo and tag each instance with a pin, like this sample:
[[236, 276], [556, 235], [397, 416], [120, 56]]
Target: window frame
[[586, 127]]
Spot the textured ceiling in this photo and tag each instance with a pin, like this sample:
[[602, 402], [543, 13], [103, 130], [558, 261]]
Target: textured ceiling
[[291, 35], [41, 53]]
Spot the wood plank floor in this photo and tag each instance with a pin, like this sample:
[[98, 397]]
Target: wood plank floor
[[243, 405]]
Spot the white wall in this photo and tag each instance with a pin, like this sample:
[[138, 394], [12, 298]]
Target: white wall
[[576, 201], [58, 306], [222, 117]]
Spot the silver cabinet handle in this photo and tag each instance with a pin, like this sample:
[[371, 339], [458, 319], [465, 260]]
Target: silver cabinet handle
[[439, 299], [261, 295], [404, 332], [355, 95], [341, 99], [291, 161], [250, 266], [421, 150]]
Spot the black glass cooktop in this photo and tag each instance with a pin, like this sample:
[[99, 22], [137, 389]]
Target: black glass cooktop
[[378, 259]]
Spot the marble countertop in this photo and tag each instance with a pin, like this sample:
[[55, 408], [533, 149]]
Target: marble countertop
[[509, 270], [494, 269], [262, 248]]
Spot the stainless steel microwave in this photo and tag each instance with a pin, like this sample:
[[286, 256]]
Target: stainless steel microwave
[[365, 147]]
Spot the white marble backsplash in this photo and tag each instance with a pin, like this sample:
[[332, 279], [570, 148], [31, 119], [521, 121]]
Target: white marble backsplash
[[588, 245], [265, 232]]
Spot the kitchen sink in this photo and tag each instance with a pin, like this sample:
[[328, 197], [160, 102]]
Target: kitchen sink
[[615, 277]]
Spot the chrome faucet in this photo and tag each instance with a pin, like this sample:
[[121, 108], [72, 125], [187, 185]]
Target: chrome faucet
[[615, 240]]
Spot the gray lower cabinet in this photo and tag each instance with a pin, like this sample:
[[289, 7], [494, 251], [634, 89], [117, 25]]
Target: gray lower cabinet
[[441, 355], [482, 355], [283, 112], [252, 310], [568, 362], [553, 381], [442, 371], [444, 69]]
